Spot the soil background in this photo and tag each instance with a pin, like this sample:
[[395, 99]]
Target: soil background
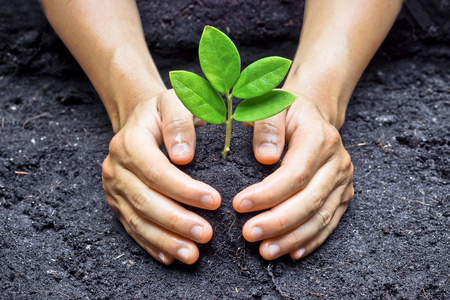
[[59, 239]]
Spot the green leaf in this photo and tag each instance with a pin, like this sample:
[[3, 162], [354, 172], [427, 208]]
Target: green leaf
[[219, 59], [263, 107], [261, 77], [199, 96]]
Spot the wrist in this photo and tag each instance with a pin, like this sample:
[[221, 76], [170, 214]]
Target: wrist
[[325, 86], [130, 79]]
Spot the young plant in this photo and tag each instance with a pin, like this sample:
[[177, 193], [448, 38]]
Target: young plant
[[221, 64]]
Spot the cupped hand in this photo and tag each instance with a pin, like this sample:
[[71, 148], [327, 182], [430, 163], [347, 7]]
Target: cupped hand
[[307, 196], [144, 189]]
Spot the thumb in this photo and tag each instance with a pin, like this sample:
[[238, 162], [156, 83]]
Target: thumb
[[178, 129], [269, 138]]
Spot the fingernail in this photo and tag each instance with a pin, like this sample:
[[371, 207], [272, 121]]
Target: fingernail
[[267, 148], [162, 257], [180, 149], [207, 201], [246, 205], [197, 232], [300, 253], [274, 249], [183, 253], [256, 233]]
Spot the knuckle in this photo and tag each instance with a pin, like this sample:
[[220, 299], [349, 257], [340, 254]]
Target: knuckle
[[107, 170], [282, 222], [271, 197], [174, 220], [346, 170], [185, 188], [134, 221], [302, 177], [316, 200], [325, 215], [178, 122], [162, 240], [332, 136], [347, 161], [296, 238], [116, 145], [271, 128], [153, 175], [138, 200]]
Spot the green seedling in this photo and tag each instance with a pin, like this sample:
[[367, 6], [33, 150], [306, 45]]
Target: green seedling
[[221, 64]]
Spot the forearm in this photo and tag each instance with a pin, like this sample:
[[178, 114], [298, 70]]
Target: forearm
[[338, 40], [107, 40]]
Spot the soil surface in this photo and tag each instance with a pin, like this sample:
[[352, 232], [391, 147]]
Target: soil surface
[[59, 239]]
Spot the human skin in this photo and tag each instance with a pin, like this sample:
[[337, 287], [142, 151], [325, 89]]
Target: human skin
[[310, 192], [306, 196]]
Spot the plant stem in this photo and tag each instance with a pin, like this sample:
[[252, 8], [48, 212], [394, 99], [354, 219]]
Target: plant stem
[[228, 122]]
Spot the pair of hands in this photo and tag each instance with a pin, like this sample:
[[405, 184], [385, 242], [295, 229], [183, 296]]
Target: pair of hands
[[305, 197]]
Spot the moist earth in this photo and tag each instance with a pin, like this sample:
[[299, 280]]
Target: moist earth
[[59, 239]]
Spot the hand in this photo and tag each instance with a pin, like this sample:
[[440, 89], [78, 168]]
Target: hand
[[308, 194], [143, 187]]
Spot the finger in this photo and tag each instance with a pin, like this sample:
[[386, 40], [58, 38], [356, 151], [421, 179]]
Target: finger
[[178, 129], [269, 138], [152, 250], [159, 209], [299, 208], [138, 151], [295, 238], [161, 239], [309, 150], [199, 122], [318, 240]]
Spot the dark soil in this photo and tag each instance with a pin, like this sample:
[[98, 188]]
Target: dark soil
[[59, 239]]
